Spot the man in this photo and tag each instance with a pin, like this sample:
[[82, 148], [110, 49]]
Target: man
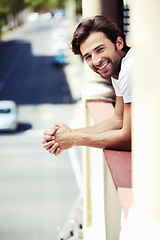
[[102, 45]]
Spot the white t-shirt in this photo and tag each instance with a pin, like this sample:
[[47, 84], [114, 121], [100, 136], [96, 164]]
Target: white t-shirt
[[122, 85]]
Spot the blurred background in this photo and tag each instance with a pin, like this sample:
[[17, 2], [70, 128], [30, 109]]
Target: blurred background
[[40, 83]]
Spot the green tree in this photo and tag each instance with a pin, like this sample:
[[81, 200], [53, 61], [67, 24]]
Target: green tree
[[4, 9], [78, 6], [37, 5], [12, 7]]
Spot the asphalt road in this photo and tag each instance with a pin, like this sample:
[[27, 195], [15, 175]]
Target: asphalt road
[[37, 190], [27, 75]]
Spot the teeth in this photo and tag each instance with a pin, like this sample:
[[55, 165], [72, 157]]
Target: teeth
[[103, 66]]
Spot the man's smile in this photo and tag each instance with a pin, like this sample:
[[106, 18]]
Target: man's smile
[[102, 66]]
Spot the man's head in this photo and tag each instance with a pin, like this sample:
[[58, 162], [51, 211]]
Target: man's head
[[96, 24], [100, 42]]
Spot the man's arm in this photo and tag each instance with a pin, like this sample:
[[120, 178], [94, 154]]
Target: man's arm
[[114, 133], [116, 138], [113, 123]]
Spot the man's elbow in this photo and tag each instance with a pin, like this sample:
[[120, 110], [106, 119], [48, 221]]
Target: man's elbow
[[127, 146], [121, 142], [126, 141], [118, 125]]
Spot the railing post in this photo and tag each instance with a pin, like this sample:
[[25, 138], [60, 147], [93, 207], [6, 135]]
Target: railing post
[[93, 190]]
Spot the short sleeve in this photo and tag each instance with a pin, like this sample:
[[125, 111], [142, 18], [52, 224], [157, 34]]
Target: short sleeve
[[123, 85]]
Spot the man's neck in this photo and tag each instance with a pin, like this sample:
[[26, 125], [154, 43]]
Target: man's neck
[[116, 75]]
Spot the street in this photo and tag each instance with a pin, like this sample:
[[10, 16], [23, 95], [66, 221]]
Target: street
[[27, 75], [37, 189]]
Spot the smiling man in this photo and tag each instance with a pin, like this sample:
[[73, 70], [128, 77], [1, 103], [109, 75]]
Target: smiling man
[[102, 45], [101, 55]]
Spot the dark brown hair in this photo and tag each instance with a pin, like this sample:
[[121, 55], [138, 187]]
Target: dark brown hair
[[96, 24]]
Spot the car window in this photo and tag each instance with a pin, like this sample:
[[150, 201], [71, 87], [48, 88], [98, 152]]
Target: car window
[[3, 111]]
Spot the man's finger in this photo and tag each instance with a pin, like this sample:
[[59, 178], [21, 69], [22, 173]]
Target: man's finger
[[57, 151], [48, 138], [53, 148], [53, 130], [46, 132], [48, 145]]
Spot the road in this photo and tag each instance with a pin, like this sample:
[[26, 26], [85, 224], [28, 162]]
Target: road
[[37, 190], [27, 75]]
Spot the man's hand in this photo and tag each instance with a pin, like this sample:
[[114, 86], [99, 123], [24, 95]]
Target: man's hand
[[64, 139], [50, 142]]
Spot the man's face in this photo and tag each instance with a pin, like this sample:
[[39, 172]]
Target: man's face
[[101, 55]]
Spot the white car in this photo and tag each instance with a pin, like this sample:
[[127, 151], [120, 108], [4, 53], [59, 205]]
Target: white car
[[8, 116]]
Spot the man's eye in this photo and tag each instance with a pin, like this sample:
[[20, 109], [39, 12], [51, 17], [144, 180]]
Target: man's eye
[[88, 57], [100, 49]]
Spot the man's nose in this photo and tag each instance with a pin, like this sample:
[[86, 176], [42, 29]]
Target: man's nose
[[96, 59]]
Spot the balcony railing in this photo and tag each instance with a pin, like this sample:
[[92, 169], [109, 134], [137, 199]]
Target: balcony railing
[[107, 184]]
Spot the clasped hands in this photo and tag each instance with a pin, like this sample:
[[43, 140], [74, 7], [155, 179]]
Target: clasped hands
[[58, 138]]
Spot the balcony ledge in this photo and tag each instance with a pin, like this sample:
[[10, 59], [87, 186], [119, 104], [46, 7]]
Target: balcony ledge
[[119, 162]]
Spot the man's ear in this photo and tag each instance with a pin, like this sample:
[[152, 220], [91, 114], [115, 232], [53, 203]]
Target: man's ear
[[119, 43]]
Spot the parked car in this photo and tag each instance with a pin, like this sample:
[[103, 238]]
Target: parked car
[[32, 17], [59, 47], [8, 116], [59, 53]]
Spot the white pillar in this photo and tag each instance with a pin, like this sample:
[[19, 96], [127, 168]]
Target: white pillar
[[91, 8], [144, 218], [71, 11], [90, 229]]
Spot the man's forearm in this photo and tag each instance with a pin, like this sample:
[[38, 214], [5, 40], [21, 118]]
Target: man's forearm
[[113, 139], [110, 124]]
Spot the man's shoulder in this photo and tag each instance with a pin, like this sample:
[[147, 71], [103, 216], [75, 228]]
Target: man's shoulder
[[129, 58], [127, 63]]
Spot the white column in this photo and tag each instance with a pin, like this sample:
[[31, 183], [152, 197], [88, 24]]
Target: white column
[[91, 8], [71, 11], [144, 218], [91, 230]]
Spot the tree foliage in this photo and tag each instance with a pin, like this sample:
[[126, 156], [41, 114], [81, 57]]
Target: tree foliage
[[79, 6], [37, 5], [12, 7]]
